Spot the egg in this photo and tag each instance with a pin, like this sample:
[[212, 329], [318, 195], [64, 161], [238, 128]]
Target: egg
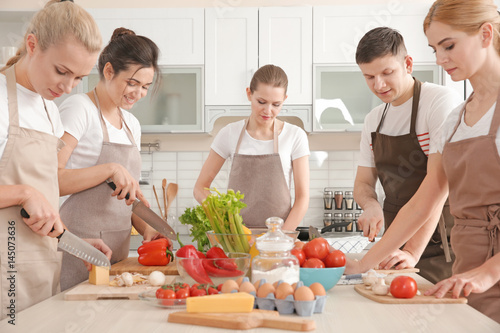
[[247, 287], [317, 289], [239, 280], [228, 286], [275, 284], [257, 284], [284, 289], [304, 294], [294, 285], [265, 290]]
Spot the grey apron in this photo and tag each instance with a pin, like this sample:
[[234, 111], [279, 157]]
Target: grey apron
[[260, 178], [94, 213], [402, 166], [30, 157], [473, 170]]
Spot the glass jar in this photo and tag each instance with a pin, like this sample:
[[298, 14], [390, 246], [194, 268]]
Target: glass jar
[[328, 199], [275, 262], [349, 200]]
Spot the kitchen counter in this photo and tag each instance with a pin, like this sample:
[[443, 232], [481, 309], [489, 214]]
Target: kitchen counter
[[345, 311]]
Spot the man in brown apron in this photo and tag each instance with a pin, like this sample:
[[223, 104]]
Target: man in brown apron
[[253, 176], [472, 167], [94, 213], [400, 162]]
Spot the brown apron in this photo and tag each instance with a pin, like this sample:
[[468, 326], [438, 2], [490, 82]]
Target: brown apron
[[30, 158], [260, 178], [94, 213], [473, 170], [402, 166]]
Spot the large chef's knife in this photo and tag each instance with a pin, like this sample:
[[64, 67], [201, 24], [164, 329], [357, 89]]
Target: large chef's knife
[[76, 246], [149, 216]]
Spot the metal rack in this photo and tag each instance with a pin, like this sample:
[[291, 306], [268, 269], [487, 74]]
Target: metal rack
[[340, 212]]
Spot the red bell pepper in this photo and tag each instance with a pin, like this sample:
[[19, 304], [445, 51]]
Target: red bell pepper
[[215, 271], [193, 267], [224, 262], [155, 253]]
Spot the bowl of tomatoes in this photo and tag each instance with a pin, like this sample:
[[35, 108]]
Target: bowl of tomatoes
[[319, 263]]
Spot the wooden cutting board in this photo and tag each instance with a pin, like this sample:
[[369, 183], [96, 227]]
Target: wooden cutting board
[[417, 299], [131, 265], [397, 271], [243, 321], [90, 292]]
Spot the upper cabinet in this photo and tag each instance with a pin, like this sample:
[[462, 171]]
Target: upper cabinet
[[178, 32], [338, 29]]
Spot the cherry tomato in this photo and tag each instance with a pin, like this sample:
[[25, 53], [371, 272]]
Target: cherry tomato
[[313, 263], [212, 290], [181, 285], [200, 291], [219, 287], [301, 256], [317, 248], [336, 258], [403, 287], [182, 293], [164, 293]]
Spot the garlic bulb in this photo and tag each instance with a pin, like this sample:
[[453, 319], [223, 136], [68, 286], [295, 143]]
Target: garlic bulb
[[369, 278], [156, 278], [127, 279], [380, 288]]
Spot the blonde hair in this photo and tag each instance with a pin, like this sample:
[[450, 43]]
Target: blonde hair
[[54, 22], [465, 15], [269, 74]]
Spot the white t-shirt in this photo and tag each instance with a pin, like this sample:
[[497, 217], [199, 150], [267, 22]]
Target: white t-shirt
[[81, 119], [482, 127], [31, 111], [292, 143], [436, 102]]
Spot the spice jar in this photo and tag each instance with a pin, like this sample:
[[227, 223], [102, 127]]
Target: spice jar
[[349, 219], [339, 198], [275, 262], [328, 199], [349, 200], [327, 219], [337, 219], [356, 217]]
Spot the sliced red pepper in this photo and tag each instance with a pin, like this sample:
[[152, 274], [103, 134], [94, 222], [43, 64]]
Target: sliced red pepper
[[155, 253], [193, 267], [225, 262], [215, 271]]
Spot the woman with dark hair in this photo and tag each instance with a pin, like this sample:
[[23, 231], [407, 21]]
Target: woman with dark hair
[[102, 143]]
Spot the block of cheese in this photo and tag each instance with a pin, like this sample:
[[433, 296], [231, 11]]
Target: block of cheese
[[99, 275], [231, 302]]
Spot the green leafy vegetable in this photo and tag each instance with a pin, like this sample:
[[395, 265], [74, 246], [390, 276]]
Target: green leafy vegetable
[[199, 225]]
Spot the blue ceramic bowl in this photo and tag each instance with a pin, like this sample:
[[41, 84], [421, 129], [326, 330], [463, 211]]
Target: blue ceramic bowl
[[328, 277]]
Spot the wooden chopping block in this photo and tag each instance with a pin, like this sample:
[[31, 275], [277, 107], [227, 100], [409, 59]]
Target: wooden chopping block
[[417, 299], [243, 321], [131, 265]]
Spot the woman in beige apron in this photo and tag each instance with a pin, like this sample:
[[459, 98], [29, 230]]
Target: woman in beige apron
[[127, 67], [261, 173], [29, 261]]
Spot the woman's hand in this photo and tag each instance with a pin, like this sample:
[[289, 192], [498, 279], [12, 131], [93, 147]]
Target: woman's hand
[[352, 266], [126, 184], [150, 234], [43, 217], [399, 260], [101, 246]]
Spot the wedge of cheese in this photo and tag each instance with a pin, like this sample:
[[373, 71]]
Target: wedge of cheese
[[99, 275], [232, 302]]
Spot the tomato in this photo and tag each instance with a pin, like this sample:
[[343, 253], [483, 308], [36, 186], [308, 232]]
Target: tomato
[[301, 256], [212, 290], [403, 287], [313, 263], [182, 293], [299, 245], [199, 291], [164, 293], [336, 258], [219, 287], [317, 248], [181, 285]]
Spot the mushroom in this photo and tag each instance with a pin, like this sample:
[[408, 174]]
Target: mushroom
[[156, 278], [127, 279], [369, 278], [380, 288]]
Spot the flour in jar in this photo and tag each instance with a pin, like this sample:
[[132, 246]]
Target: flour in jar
[[287, 274]]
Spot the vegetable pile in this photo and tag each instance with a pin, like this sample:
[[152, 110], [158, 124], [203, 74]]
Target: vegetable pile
[[318, 254], [199, 225]]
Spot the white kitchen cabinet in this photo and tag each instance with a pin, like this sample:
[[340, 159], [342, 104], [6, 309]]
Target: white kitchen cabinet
[[338, 29], [285, 40], [178, 32], [231, 54]]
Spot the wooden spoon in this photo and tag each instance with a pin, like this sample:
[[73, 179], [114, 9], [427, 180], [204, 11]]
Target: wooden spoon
[[157, 201], [164, 187], [172, 189]]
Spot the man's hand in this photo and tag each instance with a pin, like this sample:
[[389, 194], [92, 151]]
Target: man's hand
[[371, 221], [101, 246]]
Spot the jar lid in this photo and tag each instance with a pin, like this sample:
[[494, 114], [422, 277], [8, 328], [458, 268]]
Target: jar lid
[[274, 240]]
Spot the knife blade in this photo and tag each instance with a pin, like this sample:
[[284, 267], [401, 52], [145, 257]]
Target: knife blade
[[150, 217], [74, 245], [313, 233]]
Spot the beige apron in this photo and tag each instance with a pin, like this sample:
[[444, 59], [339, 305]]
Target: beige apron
[[94, 213], [260, 178], [401, 167], [473, 170], [30, 158]]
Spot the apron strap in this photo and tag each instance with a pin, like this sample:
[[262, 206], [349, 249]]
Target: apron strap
[[495, 122], [414, 108], [383, 117], [10, 75], [105, 128], [460, 118], [275, 137]]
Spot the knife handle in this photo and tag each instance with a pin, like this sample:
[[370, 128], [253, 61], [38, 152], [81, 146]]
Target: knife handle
[[25, 214], [113, 186]]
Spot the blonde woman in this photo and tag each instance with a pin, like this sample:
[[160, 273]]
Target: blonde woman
[[59, 48], [264, 152]]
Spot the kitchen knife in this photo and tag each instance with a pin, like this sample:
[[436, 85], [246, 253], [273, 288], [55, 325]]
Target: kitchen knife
[[76, 246], [313, 233], [149, 216]]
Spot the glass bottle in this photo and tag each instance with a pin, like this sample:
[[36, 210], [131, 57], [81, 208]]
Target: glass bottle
[[339, 199], [328, 199], [337, 219], [274, 261], [327, 219], [349, 200], [349, 219]]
